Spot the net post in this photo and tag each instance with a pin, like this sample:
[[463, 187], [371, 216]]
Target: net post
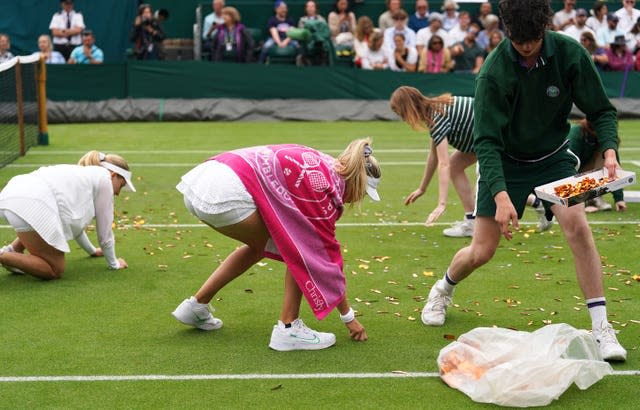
[[43, 122], [20, 107]]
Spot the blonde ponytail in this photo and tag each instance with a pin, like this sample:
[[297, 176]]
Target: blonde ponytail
[[353, 166], [95, 157], [417, 110]]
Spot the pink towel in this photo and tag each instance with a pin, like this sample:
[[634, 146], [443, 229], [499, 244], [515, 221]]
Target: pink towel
[[299, 196]]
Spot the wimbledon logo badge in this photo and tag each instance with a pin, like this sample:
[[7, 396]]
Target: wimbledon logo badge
[[553, 91]]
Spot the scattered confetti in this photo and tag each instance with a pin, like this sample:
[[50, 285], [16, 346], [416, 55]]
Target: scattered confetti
[[449, 337], [428, 274]]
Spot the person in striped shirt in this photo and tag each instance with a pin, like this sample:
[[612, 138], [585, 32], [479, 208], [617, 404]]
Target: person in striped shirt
[[449, 120]]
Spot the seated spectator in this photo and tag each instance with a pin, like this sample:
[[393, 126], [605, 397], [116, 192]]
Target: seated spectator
[[483, 11], [5, 45], [619, 56], [364, 30], [633, 38], [386, 19], [598, 54], [598, 19], [450, 16], [565, 17], [342, 23], [376, 57], [492, 23], [580, 26], [495, 37], [232, 42], [161, 16], [278, 25], [402, 57], [434, 27], [606, 35], [146, 34], [435, 58], [400, 27], [628, 15], [419, 19], [467, 55], [66, 26], [46, 51], [310, 13], [211, 23], [88, 52], [459, 32]]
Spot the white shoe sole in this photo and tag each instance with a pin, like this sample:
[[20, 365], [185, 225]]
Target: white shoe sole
[[287, 347]]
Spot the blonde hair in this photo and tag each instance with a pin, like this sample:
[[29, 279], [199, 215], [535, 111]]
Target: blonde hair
[[94, 158], [360, 26], [374, 41], [417, 110], [233, 13], [354, 165]]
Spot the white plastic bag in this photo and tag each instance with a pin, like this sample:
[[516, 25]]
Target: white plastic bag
[[521, 369]]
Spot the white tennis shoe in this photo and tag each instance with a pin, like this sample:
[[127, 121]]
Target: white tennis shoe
[[435, 310], [461, 229], [609, 346], [195, 314], [299, 337]]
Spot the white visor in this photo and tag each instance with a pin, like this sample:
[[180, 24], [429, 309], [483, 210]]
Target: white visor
[[120, 171], [372, 188]]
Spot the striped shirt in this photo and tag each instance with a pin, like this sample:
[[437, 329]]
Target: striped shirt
[[456, 125]]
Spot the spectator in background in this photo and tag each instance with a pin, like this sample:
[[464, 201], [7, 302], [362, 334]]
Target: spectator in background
[[342, 23], [146, 34], [598, 55], [467, 54], [5, 45], [161, 16], [450, 16], [310, 13], [419, 19], [376, 57], [364, 30], [402, 57], [278, 25], [633, 38], [576, 30], [565, 17], [211, 23], [598, 18], [435, 58], [434, 27], [88, 52], [386, 19], [483, 11], [495, 38], [232, 42], [618, 55], [628, 15], [66, 26], [400, 27], [492, 23], [459, 32], [47, 52], [605, 36]]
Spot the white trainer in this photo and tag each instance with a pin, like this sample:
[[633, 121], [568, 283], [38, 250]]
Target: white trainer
[[299, 337], [195, 314], [435, 310], [7, 249], [461, 229], [543, 223], [609, 346]]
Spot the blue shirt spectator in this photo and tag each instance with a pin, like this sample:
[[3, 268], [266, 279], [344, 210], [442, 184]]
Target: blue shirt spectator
[[88, 52], [419, 19]]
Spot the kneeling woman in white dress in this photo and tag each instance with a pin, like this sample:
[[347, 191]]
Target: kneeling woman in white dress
[[53, 205]]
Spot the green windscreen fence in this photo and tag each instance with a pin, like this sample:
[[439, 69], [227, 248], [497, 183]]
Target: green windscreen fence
[[18, 107]]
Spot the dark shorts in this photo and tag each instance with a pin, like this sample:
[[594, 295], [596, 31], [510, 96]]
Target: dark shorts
[[522, 177]]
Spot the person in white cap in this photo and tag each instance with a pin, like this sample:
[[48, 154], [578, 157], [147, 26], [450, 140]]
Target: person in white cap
[[54, 204], [282, 202]]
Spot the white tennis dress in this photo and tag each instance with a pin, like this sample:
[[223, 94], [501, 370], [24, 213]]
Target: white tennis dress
[[59, 201]]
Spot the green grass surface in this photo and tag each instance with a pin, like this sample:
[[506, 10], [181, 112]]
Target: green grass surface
[[100, 322]]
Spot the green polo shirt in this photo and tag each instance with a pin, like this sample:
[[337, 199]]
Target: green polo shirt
[[522, 113]]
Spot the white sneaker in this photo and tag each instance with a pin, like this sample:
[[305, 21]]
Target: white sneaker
[[609, 346], [299, 337], [601, 204], [195, 314], [543, 223], [7, 249], [461, 229], [435, 310]]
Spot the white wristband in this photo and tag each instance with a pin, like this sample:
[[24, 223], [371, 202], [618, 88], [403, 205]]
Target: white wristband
[[349, 316]]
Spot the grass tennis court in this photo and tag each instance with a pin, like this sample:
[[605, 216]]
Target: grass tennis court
[[96, 322]]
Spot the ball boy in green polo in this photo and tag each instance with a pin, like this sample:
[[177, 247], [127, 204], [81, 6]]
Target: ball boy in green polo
[[524, 93]]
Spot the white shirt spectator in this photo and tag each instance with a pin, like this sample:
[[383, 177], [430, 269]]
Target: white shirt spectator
[[409, 37], [424, 35], [595, 25], [456, 34], [604, 37], [372, 58], [575, 32], [562, 16], [209, 20], [412, 58], [627, 18], [61, 20]]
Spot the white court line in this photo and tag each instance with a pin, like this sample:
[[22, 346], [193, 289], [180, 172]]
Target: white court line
[[256, 376]]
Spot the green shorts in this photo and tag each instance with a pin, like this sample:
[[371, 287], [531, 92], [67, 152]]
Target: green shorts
[[522, 177]]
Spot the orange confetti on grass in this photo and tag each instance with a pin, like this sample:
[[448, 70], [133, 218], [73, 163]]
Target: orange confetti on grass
[[428, 274]]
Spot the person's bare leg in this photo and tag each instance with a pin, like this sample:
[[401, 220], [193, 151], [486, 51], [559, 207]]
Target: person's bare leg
[[459, 162], [254, 234], [292, 299], [43, 260], [482, 248]]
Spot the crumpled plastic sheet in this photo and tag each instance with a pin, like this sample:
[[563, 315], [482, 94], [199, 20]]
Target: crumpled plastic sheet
[[521, 369]]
